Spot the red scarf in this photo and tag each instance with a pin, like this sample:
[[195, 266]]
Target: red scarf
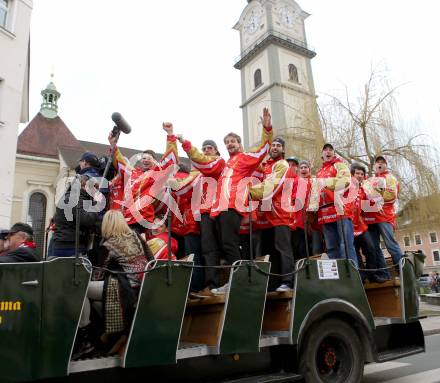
[[30, 244]]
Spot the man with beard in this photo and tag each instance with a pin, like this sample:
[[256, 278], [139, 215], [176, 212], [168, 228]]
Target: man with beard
[[279, 213], [231, 200], [139, 203], [329, 197]]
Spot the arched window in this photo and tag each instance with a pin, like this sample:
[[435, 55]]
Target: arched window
[[293, 73], [50, 97], [37, 216], [257, 78]]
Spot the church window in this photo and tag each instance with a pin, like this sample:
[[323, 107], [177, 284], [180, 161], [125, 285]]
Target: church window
[[293, 73], [257, 78], [50, 97], [37, 217], [4, 7]]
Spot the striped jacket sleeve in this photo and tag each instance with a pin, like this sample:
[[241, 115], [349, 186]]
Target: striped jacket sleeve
[[171, 155], [256, 155], [269, 186], [209, 166]]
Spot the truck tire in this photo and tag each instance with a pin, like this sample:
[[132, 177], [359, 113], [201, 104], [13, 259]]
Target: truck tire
[[332, 353]]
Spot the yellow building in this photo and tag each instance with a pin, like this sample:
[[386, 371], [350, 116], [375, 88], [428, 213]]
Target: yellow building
[[47, 154]]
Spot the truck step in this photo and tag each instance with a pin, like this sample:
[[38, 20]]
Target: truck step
[[397, 353], [267, 378]]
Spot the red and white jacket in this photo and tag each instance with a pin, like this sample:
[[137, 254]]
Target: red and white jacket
[[138, 202], [272, 194], [301, 196], [239, 166], [333, 176], [210, 167], [158, 245], [359, 225], [383, 191], [183, 187]]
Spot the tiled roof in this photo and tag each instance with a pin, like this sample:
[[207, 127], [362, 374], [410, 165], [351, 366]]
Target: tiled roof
[[43, 137]]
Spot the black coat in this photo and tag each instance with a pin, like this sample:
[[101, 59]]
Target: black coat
[[21, 254], [64, 234]]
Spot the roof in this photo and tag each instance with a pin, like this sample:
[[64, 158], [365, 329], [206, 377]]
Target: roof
[[43, 137], [50, 137]]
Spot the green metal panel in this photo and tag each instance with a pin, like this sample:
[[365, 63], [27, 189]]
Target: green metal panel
[[64, 289], [20, 313], [409, 285], [155, 331], [346, 291], [245, 309]]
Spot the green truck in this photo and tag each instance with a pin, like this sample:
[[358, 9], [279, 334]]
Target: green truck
[[325, 330]]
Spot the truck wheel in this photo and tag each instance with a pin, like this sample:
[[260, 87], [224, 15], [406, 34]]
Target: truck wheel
[[333, 353]]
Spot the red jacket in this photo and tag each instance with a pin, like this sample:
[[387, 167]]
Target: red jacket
[[359, 225], [139, 204], [301, 196], [333, 175], [240, 166], [272, 194], [116, 193], [159, 246], [383, 191], [210, 167], [182, 192]]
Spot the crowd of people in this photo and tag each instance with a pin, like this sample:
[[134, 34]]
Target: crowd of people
[[211, 211]]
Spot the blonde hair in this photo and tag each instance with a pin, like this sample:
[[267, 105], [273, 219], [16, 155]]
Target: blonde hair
[[114, 224]]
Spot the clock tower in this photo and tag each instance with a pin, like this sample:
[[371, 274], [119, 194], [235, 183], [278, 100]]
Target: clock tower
[[276, 72]]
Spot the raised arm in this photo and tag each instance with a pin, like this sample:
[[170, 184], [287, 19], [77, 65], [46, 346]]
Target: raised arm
[[209, 166], [119, 161], [257, 154], [171, 155]]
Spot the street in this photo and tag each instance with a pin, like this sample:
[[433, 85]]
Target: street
[[423, 368]]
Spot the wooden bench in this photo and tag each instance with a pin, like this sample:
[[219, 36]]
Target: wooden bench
[[278, 311], [203, 320], [385, 298]]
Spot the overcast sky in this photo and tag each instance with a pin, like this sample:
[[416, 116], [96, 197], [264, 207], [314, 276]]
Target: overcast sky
[[172, 60]]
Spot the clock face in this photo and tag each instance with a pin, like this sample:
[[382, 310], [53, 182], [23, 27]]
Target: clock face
[[253, 21], [288, 16]]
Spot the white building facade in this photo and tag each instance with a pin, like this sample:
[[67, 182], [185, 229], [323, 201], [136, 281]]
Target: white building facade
[[276, 72], [15, 16]]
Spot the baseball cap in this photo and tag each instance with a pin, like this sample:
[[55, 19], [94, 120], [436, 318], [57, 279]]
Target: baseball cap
[[20, 226], [328, 145], [293, 159]]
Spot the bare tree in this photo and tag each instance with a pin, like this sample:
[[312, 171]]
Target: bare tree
[[368, 125]]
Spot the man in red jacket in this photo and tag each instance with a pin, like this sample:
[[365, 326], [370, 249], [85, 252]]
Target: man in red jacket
[[139, 200], [362, 238], [231, 200], [329, 198], [281, 218], [381, 220], [210, 165]]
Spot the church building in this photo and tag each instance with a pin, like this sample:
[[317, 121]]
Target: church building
[[47, 154], [276, 72]]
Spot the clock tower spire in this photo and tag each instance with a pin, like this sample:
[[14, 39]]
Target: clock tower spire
[[276, 72]]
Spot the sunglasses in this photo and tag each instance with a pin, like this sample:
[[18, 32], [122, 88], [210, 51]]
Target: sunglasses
[[208, 147]]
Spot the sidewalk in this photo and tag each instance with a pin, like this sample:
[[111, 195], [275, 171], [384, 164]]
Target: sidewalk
[[431, 324]]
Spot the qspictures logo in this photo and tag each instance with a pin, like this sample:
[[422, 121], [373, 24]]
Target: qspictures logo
[[9, 306]]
